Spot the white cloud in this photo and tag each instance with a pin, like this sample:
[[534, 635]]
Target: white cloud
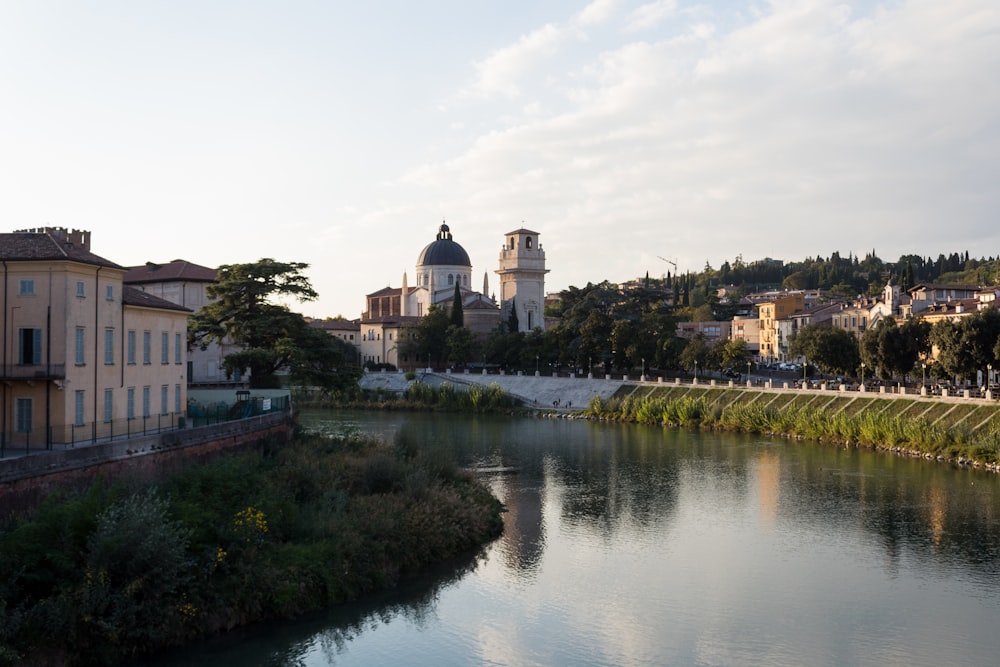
[[650, 15], [500, 73], [597, 12]]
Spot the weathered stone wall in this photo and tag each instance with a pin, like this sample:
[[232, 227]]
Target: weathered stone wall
[[26, 481]]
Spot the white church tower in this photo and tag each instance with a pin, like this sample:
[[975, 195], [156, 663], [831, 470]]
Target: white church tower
[[522, 279]]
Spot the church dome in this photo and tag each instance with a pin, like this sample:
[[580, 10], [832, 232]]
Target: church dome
[[443, 251]]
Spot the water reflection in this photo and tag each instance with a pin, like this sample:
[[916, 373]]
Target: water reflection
[[320, 638], [643, 546]]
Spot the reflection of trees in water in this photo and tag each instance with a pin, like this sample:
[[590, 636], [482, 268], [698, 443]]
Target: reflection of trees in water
[[926, 510], [617, 481], [329, 632]]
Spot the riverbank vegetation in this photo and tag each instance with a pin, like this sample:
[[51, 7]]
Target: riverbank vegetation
[[124, 568], [966, 433], [446, 397]]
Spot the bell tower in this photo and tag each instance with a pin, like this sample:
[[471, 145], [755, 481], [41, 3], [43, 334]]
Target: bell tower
[[522, 279]]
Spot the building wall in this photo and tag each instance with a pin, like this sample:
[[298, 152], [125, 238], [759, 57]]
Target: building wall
[[79, 369], [769, 314], [206, 366], [522, 279]]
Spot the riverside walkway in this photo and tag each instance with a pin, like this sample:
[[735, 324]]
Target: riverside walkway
[[574, 392]]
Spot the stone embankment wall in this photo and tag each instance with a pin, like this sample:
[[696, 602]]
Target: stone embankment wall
[[27, 480]]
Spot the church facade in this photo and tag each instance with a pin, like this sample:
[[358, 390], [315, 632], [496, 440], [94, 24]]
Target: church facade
[[442, 265]]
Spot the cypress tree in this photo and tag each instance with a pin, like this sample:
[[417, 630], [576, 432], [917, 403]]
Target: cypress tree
[[457, 316], [512, 323]]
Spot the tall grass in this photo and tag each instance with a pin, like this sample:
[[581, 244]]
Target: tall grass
[[447, 397], [870, 428]]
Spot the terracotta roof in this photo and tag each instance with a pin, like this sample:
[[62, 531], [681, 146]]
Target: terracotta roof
[[941, 286], [337, 325], [385, 291], [177, 270], [32, 246], [522, 230], [136, 297], [391, 319]]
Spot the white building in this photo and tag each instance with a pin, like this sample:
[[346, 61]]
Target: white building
[[442, 265]]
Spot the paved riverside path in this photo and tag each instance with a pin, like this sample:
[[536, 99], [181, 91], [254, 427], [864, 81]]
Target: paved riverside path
[[575, 393], [561, 393]]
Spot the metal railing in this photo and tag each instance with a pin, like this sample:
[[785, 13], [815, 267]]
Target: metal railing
[[72, 435]]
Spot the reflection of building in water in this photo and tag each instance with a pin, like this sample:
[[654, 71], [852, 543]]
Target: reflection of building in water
[[768, 487], [524, 533]]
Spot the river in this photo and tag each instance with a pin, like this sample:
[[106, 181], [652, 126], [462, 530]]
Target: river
[[634, 545]]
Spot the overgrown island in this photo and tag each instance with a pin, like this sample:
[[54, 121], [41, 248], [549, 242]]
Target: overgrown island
[[124, 569]]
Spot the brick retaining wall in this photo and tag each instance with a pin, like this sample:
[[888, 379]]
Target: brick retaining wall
[[26, 481]]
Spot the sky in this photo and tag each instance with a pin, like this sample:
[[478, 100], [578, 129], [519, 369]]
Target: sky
[[341, 134]]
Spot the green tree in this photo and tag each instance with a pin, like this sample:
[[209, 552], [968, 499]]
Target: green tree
[[734, 354], [893, 350], [457, 316], [271, 337], [461, 344], [831, 349], [512, 324], [696, 353], [427, 339]]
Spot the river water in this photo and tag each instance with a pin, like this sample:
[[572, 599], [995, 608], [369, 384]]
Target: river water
[[633, 545]]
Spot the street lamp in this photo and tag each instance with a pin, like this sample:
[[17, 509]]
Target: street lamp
[[923, 375], [536, 364], [989, 374], [643, 375], [748, 371], [696, 370], [862, 374]]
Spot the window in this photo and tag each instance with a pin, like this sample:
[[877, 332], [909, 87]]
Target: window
[[109, 293], [108, 397], [29, 352], [130, 351], [527, 242], [177, 398], [80, 357], [130, 407], [177, 348], [164, 393], [23, 418], [78, 416], [80, 289], [26, 287], [451, 280], [109, 346], [164, 348], [146, 345], [145, 401]]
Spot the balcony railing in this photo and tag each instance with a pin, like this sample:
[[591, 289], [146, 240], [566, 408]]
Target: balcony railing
[[33, 372]]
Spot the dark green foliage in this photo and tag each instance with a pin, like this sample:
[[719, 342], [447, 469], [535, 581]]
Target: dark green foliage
[[271, 336], [457, 314], [105, 576], [832, 349]]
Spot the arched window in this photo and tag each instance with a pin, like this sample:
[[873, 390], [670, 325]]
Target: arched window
[[527, 242], [465, 281], [426, 278], [511, 242], [451, 280]]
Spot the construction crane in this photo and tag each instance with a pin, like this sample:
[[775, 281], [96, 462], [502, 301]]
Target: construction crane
[[669, 261]]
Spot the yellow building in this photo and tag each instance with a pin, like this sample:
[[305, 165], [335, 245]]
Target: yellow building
[[773, 346], [84, 356]]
